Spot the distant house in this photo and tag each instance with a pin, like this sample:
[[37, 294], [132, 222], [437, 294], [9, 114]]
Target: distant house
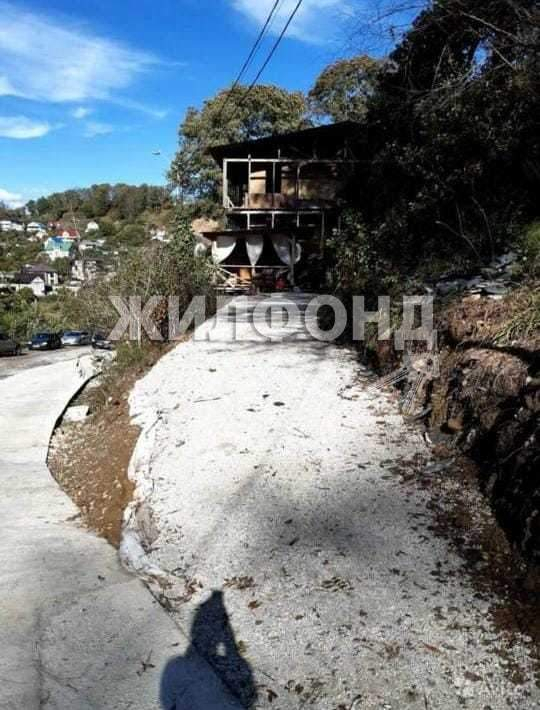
[[88, 245], [85, 269], [34, 282], [59, 248], [92, 227], [35, 227], [68, 233], [47, 272], [6, 225]]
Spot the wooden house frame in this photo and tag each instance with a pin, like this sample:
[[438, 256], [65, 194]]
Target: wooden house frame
[[289, 186]]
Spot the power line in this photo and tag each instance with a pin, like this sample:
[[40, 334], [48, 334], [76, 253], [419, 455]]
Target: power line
[[273, 50], [250, 57]]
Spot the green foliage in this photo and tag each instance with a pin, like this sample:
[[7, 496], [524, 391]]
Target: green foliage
[[342, 90], [229, 117], [158, 269], [16, 251], [107, 228], [354, 255], [129, 355], [452, 166], [116, 202], [191, 275], [21, 314], [530, 245], [130, 235]]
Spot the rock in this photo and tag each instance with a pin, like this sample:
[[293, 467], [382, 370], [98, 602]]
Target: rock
[[475, 281], [445, 287], [490, 288], [489, 272], [495, 289], [505, 259], [439, 466], [76, 414], [455, 424]]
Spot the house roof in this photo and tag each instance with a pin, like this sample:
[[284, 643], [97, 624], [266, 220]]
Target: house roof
[[58, 243], [70, 231], [39, 269], [26, 278], [321, 141]]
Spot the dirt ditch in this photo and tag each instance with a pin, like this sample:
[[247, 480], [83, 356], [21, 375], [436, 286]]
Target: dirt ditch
[[90, 459]]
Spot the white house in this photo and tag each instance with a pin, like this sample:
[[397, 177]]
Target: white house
[[92, 227], [47, 272], [59, 248], [34, 282], [84, 269], [35, 228], [88, 244], [5, 225]]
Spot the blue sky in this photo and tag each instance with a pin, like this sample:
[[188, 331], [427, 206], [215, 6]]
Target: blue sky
[[89, 89]]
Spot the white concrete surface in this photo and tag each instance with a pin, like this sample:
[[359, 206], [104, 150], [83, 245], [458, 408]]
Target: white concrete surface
[[77, 632], [11, 365], [264, 487]]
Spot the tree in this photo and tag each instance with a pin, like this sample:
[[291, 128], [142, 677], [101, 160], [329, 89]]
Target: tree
[[342, 90], [452, 167], [100, 199], [229, 117]]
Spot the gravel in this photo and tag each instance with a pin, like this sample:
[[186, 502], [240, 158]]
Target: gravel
[[283, 540]]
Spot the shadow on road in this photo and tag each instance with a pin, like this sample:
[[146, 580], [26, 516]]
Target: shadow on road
[[186, 684]]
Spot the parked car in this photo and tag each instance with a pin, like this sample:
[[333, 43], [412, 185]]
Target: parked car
[[100, 342], [9, 346], [45, 341], [76, 337]]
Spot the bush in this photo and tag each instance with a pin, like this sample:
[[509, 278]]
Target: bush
[[354, 257], [158, 269]]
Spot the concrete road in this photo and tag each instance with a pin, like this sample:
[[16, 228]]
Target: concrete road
[[10, 365], [76, 630], [270, 497]]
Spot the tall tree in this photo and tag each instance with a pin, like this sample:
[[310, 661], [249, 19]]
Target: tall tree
[[342, 90], [228, 117], [454, 159]]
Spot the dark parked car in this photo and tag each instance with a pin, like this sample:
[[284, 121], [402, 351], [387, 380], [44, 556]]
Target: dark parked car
[[100, 342], [9, 346], [76, 337], [45, 341]]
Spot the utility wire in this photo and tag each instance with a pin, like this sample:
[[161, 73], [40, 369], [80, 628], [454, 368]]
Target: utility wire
[[273, 50], [249, 59]]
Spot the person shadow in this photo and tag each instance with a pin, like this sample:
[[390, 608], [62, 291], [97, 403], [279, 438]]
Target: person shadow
[[212, 675]]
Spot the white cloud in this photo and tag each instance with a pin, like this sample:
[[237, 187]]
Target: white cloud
[[47, 60], [81, 112], [94, 128], [11, 199], [22, 127], [143, 108], [317, 21]]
